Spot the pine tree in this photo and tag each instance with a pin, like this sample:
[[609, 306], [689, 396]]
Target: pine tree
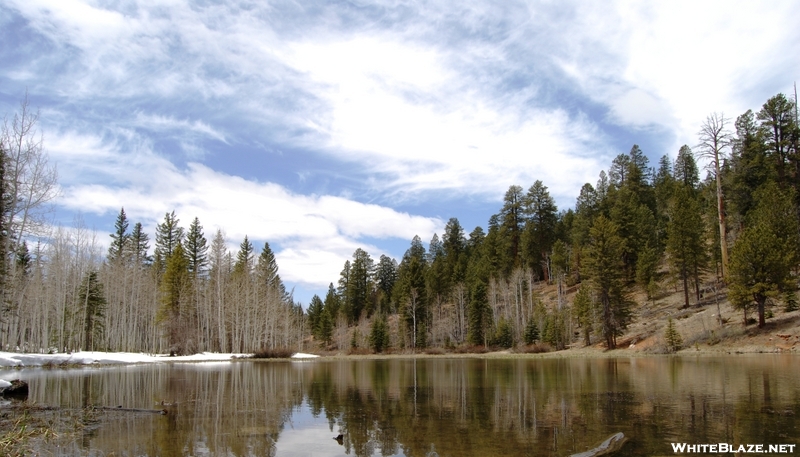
[[314, 313], [503, 336], [540, 226], [119, 246], [168, 235], [325, 327], [267, 268], [92, 301], [608, 280], [685, 240], [244, 258], [175, 286], [512, 222], [531, 332], [196, 248], [359, 286], [672, 338], [379, 335], [138, 245], [480, 315], [385, 278], [584, 313], [332, 303], [765, 253]]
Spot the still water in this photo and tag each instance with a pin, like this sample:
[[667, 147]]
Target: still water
[[426, 407]]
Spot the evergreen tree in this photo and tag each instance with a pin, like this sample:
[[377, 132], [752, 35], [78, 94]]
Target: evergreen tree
[[606, 266], [504, 336], [685, 240], [672, 338], [196, 248], [168, 235], [244, 258], [325, 326], [777, 127], [686, 171], [175, 286], [763, 257], [332, 303], [139, 245], [618, 173], [267, 268], [454, 244], [512, 221], [750, 168], [119, 246], [540, 226], [480, 315], [314, 314], [379, 335], [584, 313], [92, 301], [385, 278], [411, 291], [531, 332], [358, 293]]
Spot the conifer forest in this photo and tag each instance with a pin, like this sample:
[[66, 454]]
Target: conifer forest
[[722, 214]]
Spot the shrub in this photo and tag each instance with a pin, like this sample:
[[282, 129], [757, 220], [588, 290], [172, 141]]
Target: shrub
[[274, 353], [672, 338]]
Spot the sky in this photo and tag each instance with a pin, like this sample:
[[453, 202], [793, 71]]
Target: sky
[[323, 127]]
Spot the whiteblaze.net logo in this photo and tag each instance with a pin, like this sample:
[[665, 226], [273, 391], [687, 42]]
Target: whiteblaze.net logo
[[685, 448]]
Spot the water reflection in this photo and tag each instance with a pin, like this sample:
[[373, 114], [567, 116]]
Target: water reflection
[[430, 407]]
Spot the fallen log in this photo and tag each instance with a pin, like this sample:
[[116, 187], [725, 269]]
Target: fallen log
[[609, 446], [132, 410]]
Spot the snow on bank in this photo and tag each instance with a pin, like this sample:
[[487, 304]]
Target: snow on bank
[[14, 359], [301, 355]]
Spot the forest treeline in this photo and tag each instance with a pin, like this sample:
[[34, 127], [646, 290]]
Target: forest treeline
[[639, 227]]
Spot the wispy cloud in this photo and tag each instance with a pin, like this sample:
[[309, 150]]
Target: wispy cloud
[[231, 111], [316, 233]]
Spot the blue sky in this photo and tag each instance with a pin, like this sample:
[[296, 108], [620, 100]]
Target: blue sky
[[322, 127]]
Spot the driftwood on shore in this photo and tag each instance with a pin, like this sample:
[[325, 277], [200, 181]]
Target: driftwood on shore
[[612, 444], [132, 410], [27, 407]]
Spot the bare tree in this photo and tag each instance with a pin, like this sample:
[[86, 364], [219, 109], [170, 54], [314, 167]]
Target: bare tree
[[714, 137]]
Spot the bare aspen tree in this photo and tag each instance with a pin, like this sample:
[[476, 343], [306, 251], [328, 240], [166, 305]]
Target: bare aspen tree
[[32, 182], [714, 137]]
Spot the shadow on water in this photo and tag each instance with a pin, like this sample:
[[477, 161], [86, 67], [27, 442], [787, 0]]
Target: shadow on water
[[426, 407]]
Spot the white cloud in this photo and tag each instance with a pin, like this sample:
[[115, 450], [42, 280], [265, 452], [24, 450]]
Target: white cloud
[[317, 233]]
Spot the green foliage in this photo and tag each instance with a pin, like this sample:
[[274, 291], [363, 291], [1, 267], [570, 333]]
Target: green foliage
[[196, 248], [92, 300], [790, 301], [120, 237], [314, 313], [672, 338], [763, 257], [583, 309], [686, 244], [168, 235], [540, 226], [379, 336], [479, 315], [503, 336], [606, 267], [531, 332], [138, 245], [244, 258], [175, 288], [325, 326]]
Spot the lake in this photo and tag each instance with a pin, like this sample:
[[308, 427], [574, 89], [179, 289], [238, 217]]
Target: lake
[[424, 407]]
